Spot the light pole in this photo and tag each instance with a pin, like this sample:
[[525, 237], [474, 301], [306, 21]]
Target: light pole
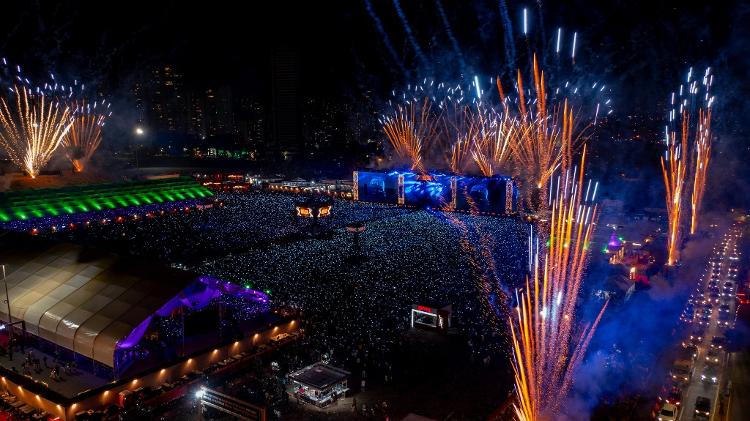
[[10, 318], [139, 133]]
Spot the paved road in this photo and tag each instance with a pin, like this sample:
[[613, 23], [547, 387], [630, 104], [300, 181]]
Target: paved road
[[721, 268]]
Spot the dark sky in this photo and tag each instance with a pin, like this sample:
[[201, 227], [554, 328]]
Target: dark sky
[[641, 45], [641, 48]]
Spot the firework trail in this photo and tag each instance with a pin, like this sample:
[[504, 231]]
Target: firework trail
[[542, 30], [384, 35], [85, 135], [449, 32], [548, 342], [31, 128], [508, 43], [410, 34]]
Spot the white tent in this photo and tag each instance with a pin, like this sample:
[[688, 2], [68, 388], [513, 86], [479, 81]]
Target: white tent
[[85, 303]]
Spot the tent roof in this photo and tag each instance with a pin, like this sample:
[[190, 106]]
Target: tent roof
[[82, 299]]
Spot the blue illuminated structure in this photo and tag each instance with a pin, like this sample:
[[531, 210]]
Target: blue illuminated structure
[[495, 195]]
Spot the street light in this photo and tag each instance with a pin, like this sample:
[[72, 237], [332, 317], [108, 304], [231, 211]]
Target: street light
[[139, 132], [10, 319]]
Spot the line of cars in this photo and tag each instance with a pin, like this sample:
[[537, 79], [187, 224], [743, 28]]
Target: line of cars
[[711, 296]]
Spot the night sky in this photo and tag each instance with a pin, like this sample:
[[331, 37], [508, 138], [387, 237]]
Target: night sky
[[644, 45], [642, 49]]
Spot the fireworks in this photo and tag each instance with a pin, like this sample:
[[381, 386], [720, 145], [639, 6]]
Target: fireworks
[[493, 137], [688, 140], [45, 117], [701, 145], [674, 167], [409, 128], [545, 138], [31, 128], [702, 156], [85, 135], [531, 135], [548, 343]]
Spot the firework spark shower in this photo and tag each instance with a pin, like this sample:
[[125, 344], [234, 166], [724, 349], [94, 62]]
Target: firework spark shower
[[549, 342], [85, 135], [685, 162], [32, 128]]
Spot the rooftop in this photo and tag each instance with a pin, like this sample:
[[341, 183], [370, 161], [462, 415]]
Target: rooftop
[[319, 376]]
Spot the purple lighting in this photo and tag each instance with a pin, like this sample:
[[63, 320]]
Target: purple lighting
[[614, 241], [198, 296]]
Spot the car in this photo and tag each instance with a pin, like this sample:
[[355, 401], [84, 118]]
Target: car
[[707, 311], [704, 320], [702, 407], [681, 373], [718, 342], [674, 396], [727, 291], [696, 336], [710, 374], [692, 349], [725, 320], [728, 284], [685, 357], [668, 412], [713, 355], [687, 317], [714, 297], [724, 308]]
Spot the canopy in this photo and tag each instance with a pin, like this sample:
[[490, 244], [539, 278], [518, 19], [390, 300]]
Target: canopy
[[81, 299]]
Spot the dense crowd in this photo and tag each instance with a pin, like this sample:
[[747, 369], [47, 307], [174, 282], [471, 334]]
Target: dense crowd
[[356, 310], [245, 220]]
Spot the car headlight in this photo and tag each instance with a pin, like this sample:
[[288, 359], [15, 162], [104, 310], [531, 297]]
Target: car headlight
[[713, 379], [703, 377]]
